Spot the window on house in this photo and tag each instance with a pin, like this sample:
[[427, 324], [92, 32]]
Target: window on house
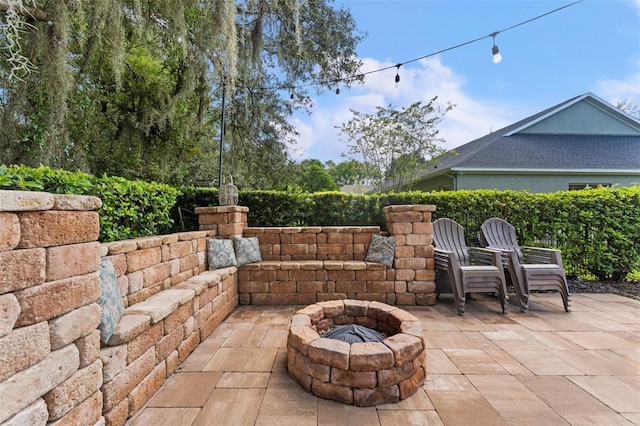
[[575, 186]]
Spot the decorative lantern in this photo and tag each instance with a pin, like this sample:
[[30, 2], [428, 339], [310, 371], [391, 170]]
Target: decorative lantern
[[228, 193]]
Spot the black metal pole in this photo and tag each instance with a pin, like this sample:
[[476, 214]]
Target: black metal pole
[[221, 139]]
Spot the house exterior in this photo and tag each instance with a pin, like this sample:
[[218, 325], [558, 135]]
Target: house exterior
[[583, 141]]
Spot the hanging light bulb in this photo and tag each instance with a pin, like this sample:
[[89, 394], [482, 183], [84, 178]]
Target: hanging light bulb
[[398, 75], [497, 57], [337, 90]]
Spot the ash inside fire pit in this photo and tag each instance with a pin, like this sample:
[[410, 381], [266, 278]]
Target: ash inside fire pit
[[352, 333], [361, 373]]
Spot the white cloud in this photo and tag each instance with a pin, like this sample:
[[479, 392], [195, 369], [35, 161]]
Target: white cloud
[[618, 90], [420, 81]]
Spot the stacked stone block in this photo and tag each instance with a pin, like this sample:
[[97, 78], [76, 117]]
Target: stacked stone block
[[173, 303], [50, 368], [363, 373], [302, 265], [414, 264], [227, 221]]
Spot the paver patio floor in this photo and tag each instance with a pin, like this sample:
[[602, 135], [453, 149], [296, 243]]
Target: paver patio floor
[[545, 367]]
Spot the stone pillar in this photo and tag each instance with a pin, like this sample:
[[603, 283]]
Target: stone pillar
[[414, 263], [227, 221], [49, 342]]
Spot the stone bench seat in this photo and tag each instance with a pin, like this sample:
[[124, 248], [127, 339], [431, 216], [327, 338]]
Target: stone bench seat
[[139, 317], [157, 334], [289, 282]]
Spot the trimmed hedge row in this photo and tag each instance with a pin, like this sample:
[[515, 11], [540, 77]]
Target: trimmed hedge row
[[130, 209], [598, 230]]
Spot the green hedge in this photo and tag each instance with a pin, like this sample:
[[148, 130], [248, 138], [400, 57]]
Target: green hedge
[[598, 230], [130, 209]]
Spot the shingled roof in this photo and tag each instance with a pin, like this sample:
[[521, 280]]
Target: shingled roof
[[519, 147]]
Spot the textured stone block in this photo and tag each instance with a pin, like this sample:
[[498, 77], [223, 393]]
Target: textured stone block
[[332, 308], [393, 376], [76, 202], [156, 274], [129, 327], [72, 260], [117, 416], [74, 325], [35, 414], [161, 305], [145, 390], [368, 397], [143, 342], [55, 228], [404, 347], [120, 386], [168, 344], [356, 308], [26, 386], [358, 379], [55, 298], [88, 412], [189, 344], [9, 311], [73, 391], [145, 258], [320, 372], [22, 348], [330, 352], [303, 379], [301, 337], [89, 348], [9, 231], [370, 356], [331, 391], [21, 269], [25, 201], [410, 386], [114, 360]]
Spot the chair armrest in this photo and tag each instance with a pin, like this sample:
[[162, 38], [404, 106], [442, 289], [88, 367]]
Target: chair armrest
[[443, 258], [532, 255], [485, 256]]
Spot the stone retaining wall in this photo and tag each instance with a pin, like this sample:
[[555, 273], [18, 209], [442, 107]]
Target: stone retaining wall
[[173, 303], [303, 265], [50, 366]]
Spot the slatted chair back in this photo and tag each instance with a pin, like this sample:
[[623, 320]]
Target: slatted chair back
[[500, 234], [449, 235]]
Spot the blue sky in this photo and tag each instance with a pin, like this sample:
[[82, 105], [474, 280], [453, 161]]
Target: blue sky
[[592, 46]]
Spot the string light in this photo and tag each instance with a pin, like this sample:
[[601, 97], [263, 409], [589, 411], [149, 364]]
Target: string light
[[497, 57], [337, 90]]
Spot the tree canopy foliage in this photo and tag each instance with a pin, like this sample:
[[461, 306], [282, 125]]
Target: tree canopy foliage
[[394, 143], [135, 88]]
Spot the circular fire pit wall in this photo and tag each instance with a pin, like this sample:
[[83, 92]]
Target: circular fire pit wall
[[361, 374]]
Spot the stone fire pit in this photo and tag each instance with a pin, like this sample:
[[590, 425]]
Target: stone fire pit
[[361, 374]]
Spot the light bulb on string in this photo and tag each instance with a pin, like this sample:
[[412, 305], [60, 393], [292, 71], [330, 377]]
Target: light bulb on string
[[397, 79], [497, 57], [337, 90]]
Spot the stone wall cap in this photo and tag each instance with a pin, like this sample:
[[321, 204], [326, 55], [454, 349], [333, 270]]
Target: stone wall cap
[[22, 201], [129, 326], [191, 235], [221, 209], [76, 202], [410, 207], [162, 304], [120, 247]]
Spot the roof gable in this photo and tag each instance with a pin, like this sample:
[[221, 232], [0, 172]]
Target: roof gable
[[556, 138], [584, 115]]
